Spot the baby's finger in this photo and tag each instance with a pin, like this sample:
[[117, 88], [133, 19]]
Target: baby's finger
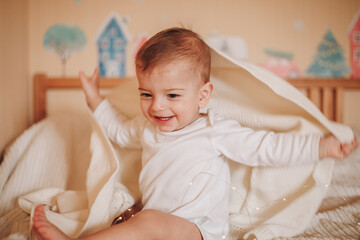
[[355, 142], [95, 76], [346, 148], [82, 77]]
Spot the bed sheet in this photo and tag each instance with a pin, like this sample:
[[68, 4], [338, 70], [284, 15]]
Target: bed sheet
[[339, 214], [25, 170]]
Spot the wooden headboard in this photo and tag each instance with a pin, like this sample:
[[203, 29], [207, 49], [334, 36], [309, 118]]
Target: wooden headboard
[[327, 94], [43, 83]]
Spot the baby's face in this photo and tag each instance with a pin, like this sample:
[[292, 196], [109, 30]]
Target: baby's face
[[171, 95]]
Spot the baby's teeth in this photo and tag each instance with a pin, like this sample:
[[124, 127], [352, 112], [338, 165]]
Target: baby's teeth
[[164, 118]]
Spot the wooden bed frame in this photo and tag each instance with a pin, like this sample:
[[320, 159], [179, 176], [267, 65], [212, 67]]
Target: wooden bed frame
[[43, 83], [327, 94]]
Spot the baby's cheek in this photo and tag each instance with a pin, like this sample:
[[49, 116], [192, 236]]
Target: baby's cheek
[[145, 111]]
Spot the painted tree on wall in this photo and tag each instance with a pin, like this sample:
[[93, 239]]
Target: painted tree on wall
[[65, 40], [329, 61]]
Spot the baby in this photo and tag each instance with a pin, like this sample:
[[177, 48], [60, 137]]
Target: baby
[[185, 172]]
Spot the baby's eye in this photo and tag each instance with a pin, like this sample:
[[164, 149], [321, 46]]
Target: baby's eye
[[145, 95], [173, 95]]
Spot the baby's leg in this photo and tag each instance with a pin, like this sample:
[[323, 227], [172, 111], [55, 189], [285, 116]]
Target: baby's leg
[[43, 228], [147, 224]]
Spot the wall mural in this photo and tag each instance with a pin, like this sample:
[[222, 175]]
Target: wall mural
[[65, 40], [329, 60], [113, 38], [281, 64], [354, 39], [234, 46], [111, 41]]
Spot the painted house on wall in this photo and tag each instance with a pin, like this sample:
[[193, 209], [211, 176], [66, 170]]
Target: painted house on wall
[[111, 41], [354, 39]]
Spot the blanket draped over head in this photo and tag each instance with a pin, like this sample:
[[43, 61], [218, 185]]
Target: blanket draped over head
[[85, 180]]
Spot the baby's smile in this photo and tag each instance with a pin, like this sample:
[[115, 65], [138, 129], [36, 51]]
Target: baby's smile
[[163, 119]]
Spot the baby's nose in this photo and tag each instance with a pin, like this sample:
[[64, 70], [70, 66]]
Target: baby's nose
[[157, 105]]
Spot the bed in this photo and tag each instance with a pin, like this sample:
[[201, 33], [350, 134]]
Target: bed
[[338, 216]]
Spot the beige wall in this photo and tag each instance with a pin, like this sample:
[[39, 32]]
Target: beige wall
[[14, 80], [262, 23]]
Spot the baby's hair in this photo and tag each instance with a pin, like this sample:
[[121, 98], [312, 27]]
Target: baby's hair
[[172, 45]]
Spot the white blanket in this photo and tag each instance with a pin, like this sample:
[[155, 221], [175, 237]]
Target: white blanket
[[85, 189]]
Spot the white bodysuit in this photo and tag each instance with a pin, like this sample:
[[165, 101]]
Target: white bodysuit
[[185, 172]]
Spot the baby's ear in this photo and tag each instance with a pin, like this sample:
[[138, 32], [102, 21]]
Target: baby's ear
[[205, 94]]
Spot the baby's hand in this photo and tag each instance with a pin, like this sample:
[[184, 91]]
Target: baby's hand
[[91, 89], [330, 147]]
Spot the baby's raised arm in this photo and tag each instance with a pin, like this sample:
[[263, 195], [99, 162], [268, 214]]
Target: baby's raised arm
[[91, 89], [330, 147]]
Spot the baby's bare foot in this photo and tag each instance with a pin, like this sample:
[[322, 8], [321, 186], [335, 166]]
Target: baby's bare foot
[[43, 229]]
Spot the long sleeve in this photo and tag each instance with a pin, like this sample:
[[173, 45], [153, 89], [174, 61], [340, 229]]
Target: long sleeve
[[264, 148], [117, 126]]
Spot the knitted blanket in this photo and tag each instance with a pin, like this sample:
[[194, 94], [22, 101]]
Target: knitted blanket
[[68, 164]]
